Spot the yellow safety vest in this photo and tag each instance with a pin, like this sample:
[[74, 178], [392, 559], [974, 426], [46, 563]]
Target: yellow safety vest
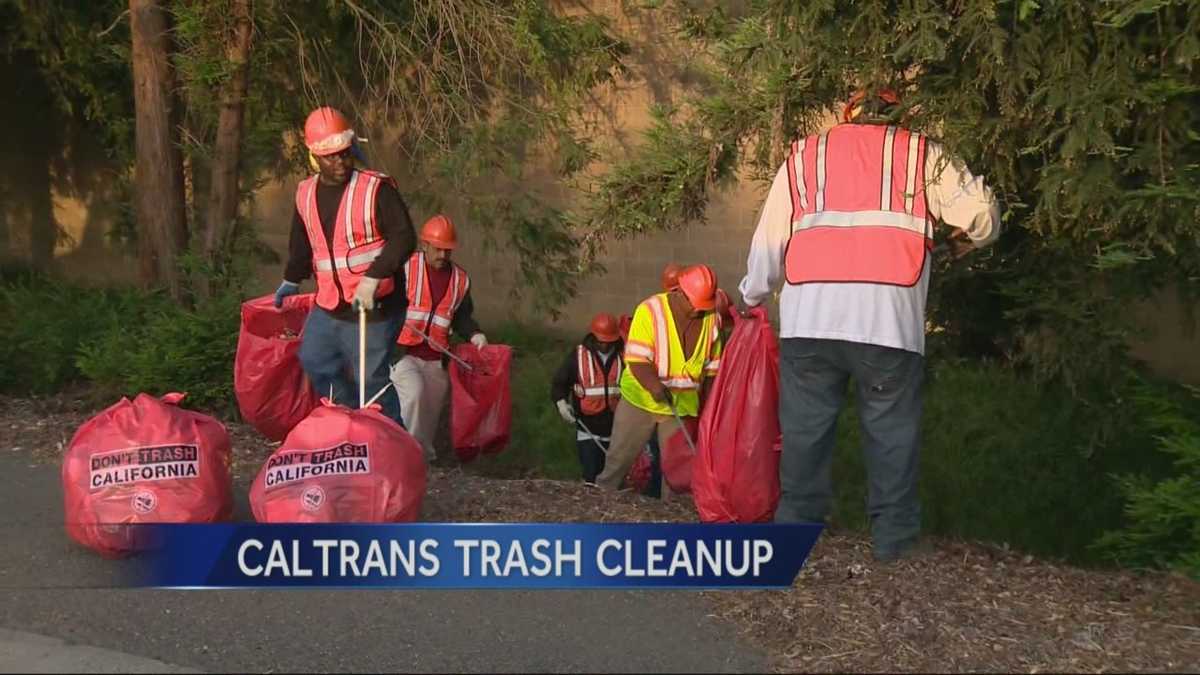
[[653, 339]]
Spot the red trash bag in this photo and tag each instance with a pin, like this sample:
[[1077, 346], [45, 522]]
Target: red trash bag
[[676, 457], [273, 393], [735, 476], [480, 400], [342, 465], [639, 474], [144, 461]]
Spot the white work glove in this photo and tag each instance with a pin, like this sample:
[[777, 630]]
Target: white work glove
[[564, 409], [479, 340], [364, 295]]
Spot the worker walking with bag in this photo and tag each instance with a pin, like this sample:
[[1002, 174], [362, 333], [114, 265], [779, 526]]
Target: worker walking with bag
[[586, 389], [848, 225], [671, 357], [439, 301], [352, 230]]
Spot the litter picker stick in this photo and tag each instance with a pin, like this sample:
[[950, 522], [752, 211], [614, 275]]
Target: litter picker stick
[[362, 355], [589, 433], [376, 396], [433, 344], [682, 428]]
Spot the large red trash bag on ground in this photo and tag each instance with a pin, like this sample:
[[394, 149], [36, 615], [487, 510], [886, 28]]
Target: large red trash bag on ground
[[676, 456], [735, 477], [144, 461], [342, 465], [480, 400], [273, 392]]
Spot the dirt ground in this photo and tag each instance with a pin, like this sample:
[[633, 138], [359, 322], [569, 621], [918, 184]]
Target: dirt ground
[[963, 607]]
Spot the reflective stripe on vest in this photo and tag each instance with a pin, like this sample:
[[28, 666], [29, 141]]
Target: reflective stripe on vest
[[355, 241], [421, 316], [596, 390], [661, 352], [858, 206]]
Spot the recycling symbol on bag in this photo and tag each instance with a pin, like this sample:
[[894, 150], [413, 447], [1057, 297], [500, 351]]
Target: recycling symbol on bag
[[144, 502]]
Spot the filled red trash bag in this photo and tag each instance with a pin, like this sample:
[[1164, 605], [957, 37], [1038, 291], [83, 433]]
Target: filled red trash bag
[[342, 465], [480, 400], [639, 474], [735, 477], [273, 393], [144, 461], [677, 457]]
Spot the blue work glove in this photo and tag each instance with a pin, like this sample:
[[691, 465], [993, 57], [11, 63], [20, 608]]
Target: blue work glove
[[285, 289]]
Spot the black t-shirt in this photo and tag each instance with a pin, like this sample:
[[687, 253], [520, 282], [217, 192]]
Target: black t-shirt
[[394, 225]]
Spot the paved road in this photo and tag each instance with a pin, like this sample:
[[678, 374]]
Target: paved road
[[51, 589]]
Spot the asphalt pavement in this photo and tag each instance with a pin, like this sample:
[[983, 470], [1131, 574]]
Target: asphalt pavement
[[63, 609]]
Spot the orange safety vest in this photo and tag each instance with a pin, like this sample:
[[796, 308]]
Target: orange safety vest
[[858, 206], [339, 264], [422, 316], [596, 390]]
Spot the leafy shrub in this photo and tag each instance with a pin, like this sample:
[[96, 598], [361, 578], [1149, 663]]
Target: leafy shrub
[[173, 349], [43, 321], [1008, 461], [1163, 516]]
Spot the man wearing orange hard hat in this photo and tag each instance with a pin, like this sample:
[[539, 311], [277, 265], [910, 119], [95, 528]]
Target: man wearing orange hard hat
[[586, 389], [672, 356], [439, 303], [847, 230], [351, 229]]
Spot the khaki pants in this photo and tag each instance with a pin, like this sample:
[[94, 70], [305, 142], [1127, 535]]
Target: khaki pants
[[632, 428], [422, 386]]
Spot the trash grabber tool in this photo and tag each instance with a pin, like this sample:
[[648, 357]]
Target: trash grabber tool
[[433, 344], [589, 433], [362, 355], [686, 435]]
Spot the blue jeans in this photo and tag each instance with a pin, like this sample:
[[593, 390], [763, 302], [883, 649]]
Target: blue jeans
[[329, 354], [813, 378]]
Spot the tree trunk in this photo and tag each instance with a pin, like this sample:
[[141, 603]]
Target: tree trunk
[[158, 182], [226, 161], [43, 228]]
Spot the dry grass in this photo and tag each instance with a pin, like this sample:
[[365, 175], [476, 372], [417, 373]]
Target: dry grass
[[963, 607]]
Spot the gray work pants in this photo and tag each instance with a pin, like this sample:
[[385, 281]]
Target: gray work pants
[[813, 378]]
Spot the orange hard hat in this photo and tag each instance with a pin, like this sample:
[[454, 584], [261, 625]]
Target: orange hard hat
[[439, 231], [327, 132], [856, 103], [699, 285], [670, 276], [604, 327]]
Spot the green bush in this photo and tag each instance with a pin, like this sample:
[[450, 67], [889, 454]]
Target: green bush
[[1163, 516], [43, 322], [172, 349], [1006, 461]]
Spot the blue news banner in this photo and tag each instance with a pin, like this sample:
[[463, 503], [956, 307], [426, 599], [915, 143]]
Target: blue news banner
[[474, 555]]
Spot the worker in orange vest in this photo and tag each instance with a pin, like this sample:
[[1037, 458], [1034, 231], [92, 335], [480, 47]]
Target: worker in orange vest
[[586, 389], [439, 302], [351, 228], [847, 230]]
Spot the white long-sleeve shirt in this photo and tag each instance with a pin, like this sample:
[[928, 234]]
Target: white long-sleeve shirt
[[880, 314]]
